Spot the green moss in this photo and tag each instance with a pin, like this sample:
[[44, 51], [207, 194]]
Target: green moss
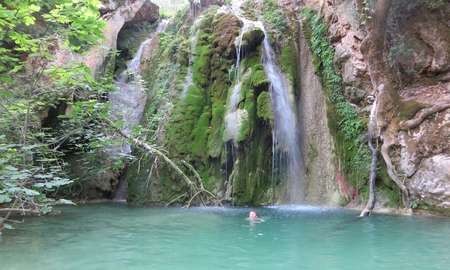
[[252, 183], [184, 120], [200, 134], [215, 143], [434, 4], [288, 61], [258, 78], [276, 20], [201, 68], [264, 107], [345, 123]]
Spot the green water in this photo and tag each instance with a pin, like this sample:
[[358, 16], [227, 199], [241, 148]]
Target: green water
[[118, 237]]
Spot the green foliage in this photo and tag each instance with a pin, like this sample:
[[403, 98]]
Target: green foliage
[[348, 127], [34, 139], [201, 68], [29, 28], [200, 134], [184, 120], [274, 17], [288, 61], [264, 107]]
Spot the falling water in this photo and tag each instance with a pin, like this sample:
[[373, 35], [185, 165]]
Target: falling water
[[286, 137], [236, 116], [193, 44], [287, 157], [128, 102], [135, 63]]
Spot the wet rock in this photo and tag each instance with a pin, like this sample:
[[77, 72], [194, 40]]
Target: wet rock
[[252, 39], [418, 51]]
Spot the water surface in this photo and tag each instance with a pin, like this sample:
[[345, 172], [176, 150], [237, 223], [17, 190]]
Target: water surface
[[114, 236]]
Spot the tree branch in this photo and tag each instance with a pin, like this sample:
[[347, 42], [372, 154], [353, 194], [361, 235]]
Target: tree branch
[[195, 190]]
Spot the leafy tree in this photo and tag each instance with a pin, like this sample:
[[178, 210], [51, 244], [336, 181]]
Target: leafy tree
[[31, 156]]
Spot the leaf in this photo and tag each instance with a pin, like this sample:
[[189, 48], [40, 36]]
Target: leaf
[[4, 198], [53, 184], [26, 191]]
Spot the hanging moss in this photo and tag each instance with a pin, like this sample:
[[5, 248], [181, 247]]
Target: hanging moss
[[288, 61], [201, 68], [273, 16], [252, 183], [184, 120], [264, 107], [200, 134], [215, 143]]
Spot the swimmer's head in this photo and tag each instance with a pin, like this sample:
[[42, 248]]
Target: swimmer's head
[[252, 215]]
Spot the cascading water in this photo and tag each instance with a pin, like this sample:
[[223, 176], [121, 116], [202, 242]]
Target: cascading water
[[235, 116], [193, 44], [287, 158], [285, 134], [128, 102]]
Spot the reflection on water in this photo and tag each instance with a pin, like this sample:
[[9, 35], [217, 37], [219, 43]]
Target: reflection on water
[[109, 236]]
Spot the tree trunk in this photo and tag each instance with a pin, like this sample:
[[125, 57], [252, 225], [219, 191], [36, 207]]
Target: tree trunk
[[373, 175], [382, 124]]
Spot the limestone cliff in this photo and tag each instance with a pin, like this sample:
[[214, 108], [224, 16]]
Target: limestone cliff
[[414, 127]]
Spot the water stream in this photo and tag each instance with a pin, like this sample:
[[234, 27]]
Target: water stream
[[285, 135], [118, 237], [287, 157], [128, 101]]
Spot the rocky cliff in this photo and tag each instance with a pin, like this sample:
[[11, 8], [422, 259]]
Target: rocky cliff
[[211, 101], [414, 125]]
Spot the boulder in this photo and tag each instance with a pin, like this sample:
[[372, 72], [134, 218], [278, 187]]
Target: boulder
[[431, 183]]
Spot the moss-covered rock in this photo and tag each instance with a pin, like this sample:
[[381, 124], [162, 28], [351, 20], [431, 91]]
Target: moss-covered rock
[[194, 131], [251, 39], [264, 107]]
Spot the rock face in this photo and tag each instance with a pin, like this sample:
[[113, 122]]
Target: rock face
[[197, 6], [416, 137], [322, 184], [132, 11], [129, 101]]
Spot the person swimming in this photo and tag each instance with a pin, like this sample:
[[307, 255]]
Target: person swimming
[[253, 217]]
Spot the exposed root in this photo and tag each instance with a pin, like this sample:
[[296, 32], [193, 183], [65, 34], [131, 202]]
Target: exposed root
[[422, 115], [393, 175], [176, 199]]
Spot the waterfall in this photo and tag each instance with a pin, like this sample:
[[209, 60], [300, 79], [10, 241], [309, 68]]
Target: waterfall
[[235, 116], [128, 102], [286, 132], [193, 45], [287, 158]]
